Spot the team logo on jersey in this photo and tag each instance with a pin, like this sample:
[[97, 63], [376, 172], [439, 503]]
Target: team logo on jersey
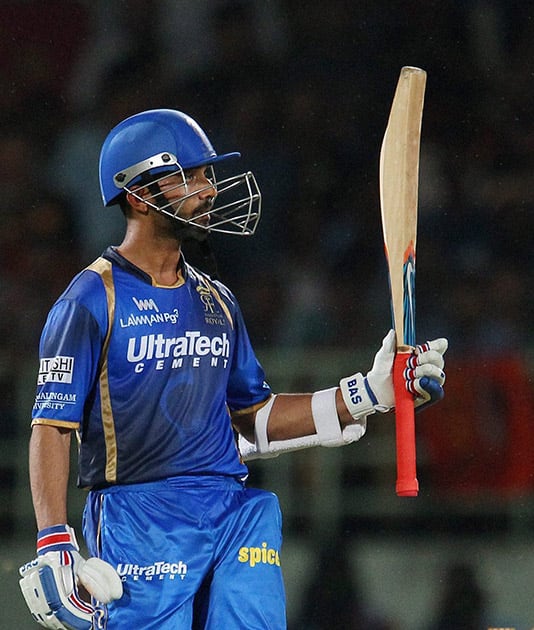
[[212, 310], [160, 570], [55, 370]]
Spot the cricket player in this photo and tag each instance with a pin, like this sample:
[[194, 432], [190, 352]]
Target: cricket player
[[147, 360]]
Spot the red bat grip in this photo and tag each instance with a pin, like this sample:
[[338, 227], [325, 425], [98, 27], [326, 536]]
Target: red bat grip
[[407, 484]]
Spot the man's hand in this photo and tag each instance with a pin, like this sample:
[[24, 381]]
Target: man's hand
[[49, 583], [424, 375]]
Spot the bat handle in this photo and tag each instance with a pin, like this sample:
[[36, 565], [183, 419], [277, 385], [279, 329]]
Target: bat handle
[[407, 484]]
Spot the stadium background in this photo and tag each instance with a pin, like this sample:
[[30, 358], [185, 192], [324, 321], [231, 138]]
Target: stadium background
[[303, 90]]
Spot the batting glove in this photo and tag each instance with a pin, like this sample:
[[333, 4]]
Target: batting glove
[[424, 373], [49, 583], [363, 395]]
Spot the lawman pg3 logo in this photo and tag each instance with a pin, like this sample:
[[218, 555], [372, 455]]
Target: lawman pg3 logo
[[150, 314]]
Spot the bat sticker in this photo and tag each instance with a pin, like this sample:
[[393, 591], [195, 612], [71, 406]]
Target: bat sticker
[[408, 273]]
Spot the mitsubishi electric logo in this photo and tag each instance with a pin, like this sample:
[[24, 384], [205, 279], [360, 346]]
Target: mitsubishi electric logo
[[58, 369]]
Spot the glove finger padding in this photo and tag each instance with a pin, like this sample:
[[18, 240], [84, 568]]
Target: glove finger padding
[[100, 579], [439, 345], [429, 391], [424, 372], [414, 374]]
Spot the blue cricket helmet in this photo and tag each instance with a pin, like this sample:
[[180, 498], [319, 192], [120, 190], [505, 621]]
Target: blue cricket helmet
[[139, 144]]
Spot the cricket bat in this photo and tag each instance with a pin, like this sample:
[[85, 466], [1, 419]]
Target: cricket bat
[[399, 180]]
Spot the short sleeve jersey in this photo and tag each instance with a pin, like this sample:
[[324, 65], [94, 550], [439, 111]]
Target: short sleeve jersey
[[148, 375]]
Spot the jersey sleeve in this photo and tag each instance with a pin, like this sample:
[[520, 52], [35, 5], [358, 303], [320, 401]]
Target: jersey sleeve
[[247, 387], [69, 352]]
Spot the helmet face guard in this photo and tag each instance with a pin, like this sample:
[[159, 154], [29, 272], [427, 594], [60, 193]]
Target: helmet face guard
[[146, 148], [236, 208]]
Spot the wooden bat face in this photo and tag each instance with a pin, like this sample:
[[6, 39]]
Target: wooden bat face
[[399, 179]]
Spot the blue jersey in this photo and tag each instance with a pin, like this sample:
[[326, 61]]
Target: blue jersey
[[147, 374]]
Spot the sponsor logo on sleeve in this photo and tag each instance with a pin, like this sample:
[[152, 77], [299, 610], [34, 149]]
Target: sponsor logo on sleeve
[[54, 400], [55, 370]]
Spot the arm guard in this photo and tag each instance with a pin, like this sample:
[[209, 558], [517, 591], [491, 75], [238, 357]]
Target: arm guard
[[328, 430]]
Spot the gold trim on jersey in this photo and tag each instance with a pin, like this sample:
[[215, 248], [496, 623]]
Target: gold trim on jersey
[[103, 268], [51, 422], [179, 282]]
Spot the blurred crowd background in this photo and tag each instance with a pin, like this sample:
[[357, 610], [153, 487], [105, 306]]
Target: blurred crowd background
[[303, 91]]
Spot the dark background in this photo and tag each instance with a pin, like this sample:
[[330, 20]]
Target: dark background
[[303, 91]]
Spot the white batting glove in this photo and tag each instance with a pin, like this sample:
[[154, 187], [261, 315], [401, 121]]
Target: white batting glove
[[424, 372], [364, 395], [49, 583]]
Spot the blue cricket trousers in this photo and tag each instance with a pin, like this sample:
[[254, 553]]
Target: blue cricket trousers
[[193, 553]]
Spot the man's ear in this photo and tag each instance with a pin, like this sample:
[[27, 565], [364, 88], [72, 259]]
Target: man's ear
[[136, 202]]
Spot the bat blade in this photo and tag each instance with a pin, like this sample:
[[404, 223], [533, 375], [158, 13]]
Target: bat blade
[[399, 182]]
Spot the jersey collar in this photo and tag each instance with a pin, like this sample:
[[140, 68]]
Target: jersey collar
[[114, 257]]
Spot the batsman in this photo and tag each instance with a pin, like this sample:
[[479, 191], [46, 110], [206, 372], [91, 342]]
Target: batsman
[[147, 361]]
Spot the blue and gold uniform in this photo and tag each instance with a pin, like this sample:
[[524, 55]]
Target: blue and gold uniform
[[148, 376]]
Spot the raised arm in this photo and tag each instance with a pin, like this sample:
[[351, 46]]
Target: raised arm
[[338, 416]]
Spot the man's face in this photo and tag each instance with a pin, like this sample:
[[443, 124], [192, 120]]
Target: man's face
[[187, 198], [191, 196]]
